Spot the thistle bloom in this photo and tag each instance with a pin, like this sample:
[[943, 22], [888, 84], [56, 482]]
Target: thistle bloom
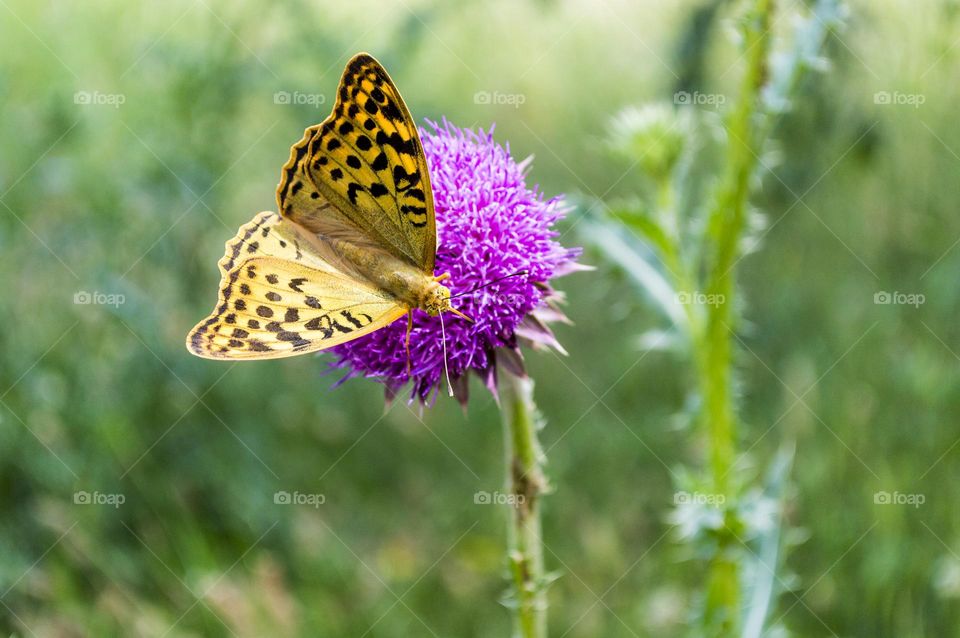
[[495, 232]]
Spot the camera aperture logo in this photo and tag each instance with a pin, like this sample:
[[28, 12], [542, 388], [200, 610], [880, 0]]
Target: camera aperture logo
[[297, 98], [283, 497], [899, 498], [884, 298], [83, 497], [96, 298], [498, 498]]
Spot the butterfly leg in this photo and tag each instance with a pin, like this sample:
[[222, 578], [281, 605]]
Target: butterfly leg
[[445, 275], [409, 328]]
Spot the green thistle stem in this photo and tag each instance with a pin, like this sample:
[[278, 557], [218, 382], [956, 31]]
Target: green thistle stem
[[714, 343], [526, 483]]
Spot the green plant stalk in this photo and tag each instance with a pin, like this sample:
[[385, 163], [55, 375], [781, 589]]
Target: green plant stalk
[[526, 482], [715, 366]]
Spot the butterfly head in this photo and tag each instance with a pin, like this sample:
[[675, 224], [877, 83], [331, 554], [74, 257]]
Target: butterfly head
[[437, 300]]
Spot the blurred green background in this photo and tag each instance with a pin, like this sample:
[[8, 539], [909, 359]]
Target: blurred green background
[[136, 137]]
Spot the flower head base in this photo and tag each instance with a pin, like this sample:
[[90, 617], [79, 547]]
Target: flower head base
[[496, 239]]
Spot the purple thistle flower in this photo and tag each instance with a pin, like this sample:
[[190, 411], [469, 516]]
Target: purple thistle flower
[[490, 227]]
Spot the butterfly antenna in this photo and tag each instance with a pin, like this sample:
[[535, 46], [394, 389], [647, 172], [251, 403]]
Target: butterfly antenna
[[490, 283], [446, 368]]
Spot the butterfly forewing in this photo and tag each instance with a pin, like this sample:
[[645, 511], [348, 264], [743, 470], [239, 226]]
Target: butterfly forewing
[[278, 298], [355, 196], [365, 163]]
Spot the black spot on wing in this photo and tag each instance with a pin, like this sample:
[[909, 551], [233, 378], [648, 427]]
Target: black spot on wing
[[352, 191], [286, 335], [258, 346], [404, 180], [359, 322], [322, 325], [408, 147], [392, 112], [380, 162]]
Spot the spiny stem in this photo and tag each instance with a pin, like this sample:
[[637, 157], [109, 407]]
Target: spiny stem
[[715, 369], [526, 483]]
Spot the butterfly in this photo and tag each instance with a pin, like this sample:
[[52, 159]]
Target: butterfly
[[353, 246]]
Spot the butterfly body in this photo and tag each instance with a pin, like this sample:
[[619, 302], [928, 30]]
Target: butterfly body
[[408, 284], [354, 246]]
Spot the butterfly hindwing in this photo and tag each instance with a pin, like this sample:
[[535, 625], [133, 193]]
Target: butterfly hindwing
[[268, 234], [279, 298], [365, 165]]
